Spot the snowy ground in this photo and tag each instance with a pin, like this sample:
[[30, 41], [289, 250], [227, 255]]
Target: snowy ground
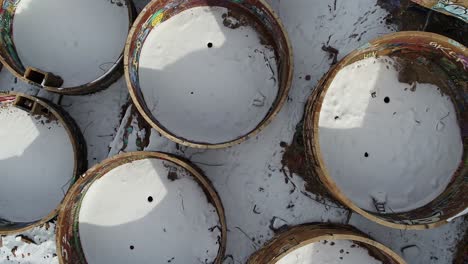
[[258, 196]]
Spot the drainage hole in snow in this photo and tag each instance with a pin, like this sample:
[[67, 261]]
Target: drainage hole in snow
[[150, 199], [366, 155], [210, 45], [132, 247], [337, 117], [191, 92], [387, 100]]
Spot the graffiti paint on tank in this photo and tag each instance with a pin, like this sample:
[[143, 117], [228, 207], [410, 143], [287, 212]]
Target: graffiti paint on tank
[[7, 50], [152, 22], [456, 8], [449, 52]]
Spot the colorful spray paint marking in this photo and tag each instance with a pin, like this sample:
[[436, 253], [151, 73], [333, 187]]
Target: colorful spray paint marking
[[6, 99], [152, 22], [450, 53], [457, 44], [7, 12], [370, 55], [456, 8]]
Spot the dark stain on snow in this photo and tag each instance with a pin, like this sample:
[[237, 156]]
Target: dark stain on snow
[[295, 163], [26, 239], [332, 53], [255, 211], [172, 176], [278, 224], [13, 251], [407, 15]]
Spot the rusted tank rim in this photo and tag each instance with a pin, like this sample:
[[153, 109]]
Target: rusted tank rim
[[303, 235], [79, 148], [101, 83], [71, 202], [279, 102], [312, 143]]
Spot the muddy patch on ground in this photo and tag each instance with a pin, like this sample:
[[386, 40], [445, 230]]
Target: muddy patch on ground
[[294, 161], [407, 15]]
